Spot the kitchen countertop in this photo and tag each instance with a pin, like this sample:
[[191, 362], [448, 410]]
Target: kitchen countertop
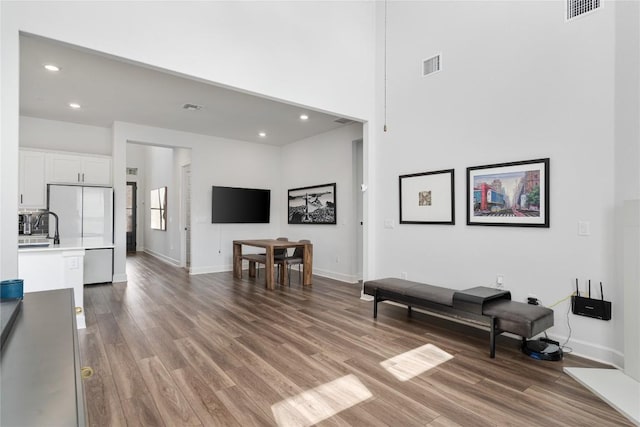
[[68, 244]]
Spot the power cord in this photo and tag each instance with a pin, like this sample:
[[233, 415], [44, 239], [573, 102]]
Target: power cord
[[535, 301]]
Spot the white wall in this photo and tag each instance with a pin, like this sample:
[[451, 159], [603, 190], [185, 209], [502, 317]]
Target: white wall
[[517, 83], [324, 159], [64, 136]]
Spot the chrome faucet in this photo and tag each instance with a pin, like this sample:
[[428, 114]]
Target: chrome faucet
[[56, 236]]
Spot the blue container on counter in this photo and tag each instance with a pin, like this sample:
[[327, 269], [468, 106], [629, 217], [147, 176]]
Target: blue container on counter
[[11, 289]]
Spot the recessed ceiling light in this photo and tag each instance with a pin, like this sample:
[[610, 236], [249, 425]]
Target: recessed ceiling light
[[304, 117], [74, 105], [262, 134], [52, 67]]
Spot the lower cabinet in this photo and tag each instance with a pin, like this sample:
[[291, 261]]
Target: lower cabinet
[[41, 379]]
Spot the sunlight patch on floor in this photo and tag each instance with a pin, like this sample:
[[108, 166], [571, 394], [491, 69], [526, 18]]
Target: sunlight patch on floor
[[312, 406], [414, 362]]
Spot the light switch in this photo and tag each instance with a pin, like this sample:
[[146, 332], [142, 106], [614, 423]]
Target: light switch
[[388, 223]]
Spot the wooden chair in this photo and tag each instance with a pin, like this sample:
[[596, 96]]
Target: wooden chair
[[296, 259], [262, 258]]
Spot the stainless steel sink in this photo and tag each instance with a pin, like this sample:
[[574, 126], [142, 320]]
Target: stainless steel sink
[[33, 242]]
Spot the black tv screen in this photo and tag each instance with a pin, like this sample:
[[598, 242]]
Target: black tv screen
[[230, 205]]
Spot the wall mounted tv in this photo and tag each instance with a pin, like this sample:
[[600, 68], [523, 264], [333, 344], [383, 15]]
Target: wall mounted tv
[[231, 205]]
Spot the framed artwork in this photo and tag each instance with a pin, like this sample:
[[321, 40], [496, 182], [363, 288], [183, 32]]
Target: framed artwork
[[509, 194], [312, 205], [158, 208], [427, 198]]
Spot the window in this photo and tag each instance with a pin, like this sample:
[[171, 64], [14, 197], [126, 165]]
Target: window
[[158, 208]]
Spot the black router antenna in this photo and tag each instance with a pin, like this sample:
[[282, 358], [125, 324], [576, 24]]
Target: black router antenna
[[601, 294]]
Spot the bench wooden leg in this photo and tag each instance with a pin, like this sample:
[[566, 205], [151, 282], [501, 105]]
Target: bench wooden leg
[[492, 338], [252, 269], [375, 305]]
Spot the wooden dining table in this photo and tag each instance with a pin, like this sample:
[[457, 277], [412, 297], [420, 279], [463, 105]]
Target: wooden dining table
[[270, 245]]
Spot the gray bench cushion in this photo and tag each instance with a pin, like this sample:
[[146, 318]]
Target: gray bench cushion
[[430, 293], [519, 318]]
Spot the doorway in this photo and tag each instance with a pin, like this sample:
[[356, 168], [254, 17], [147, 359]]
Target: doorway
[[358, 191], [132, 191], [186, 217]]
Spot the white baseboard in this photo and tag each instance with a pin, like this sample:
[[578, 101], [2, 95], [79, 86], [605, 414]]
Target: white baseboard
[[117, 278], [80, 321], [161, 257], [348, 278], [210, 269], [591, 351]]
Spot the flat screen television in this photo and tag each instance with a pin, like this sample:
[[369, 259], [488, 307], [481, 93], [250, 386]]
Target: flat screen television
[[231, 205]]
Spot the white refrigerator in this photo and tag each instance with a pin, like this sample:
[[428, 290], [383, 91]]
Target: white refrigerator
[[86, 213]]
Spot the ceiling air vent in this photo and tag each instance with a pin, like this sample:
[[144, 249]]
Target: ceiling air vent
[[343, 121], [430, 65], [576, 8], [192, 107]]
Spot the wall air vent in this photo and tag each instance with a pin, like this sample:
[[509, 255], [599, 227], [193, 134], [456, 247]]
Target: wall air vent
[[343, 121], [132, 171], [576, 8], [430, 65]]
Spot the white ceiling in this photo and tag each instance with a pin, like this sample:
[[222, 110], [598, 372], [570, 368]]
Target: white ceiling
[[111, 89]]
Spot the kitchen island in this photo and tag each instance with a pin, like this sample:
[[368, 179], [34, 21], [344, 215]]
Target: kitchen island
[[40, 374], [59, 266]]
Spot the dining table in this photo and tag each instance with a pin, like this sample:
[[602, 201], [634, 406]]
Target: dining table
[[270, 245]]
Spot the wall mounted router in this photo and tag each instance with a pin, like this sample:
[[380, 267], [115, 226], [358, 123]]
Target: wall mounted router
[[591, 307]]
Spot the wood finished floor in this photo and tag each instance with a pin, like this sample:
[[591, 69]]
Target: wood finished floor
[[177, 350]]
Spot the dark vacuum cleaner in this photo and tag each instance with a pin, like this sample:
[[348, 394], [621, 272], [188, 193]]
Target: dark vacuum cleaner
[[542, 349]]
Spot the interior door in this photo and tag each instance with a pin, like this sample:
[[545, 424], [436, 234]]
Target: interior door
[[132, 190]]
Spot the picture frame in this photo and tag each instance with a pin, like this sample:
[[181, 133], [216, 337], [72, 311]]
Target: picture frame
[[312, 205], [427, 197], [512, 194]]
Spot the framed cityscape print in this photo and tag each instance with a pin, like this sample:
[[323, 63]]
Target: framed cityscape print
[[509, 194], [312, 205], [427, 198]]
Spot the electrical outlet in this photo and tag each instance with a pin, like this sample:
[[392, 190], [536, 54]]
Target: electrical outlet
[[403, 275], [499, 281]]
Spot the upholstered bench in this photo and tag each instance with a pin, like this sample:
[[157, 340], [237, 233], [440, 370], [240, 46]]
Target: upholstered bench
[[480, 305]]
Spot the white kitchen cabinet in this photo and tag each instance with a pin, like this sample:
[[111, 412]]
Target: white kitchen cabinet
[[79, 169], [54, 268], [32, 179]]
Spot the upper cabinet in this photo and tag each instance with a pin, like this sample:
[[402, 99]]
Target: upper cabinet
[[79, 169], [32, 180]]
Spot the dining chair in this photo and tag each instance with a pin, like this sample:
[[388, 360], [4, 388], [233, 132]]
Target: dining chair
[[296, 259], [277, 254]]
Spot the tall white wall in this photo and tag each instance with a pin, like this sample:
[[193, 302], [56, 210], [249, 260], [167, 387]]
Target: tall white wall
[[517, 83], [324, 159]]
